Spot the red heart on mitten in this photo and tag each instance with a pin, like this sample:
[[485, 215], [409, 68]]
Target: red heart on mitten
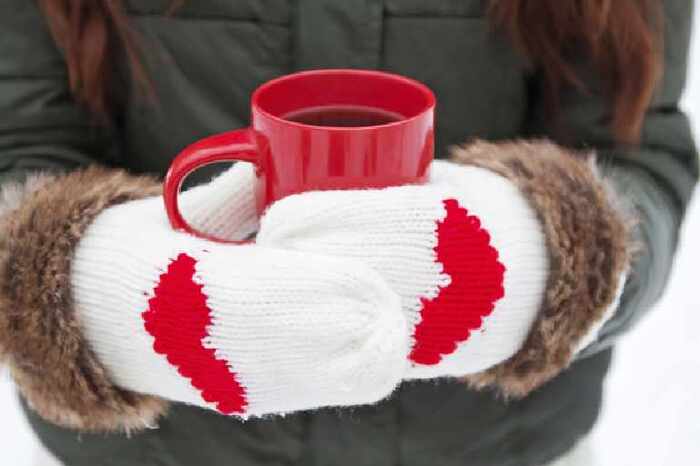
[[476, 282], [178, 318]]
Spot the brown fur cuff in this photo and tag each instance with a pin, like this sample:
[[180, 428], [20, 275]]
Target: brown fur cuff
[[588, 241], [41, 223]]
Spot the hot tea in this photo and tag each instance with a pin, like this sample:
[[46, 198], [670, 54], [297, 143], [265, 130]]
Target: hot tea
[[343, 116]]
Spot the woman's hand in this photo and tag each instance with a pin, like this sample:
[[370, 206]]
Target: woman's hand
[[119, 312], [466, 253], [251, 330]]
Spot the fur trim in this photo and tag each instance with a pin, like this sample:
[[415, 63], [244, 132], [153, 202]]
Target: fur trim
[[41, 223], [13, 193], [589, 245]]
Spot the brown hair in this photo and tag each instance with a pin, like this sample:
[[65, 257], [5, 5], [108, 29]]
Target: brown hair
[[621, 37], [91, 33]]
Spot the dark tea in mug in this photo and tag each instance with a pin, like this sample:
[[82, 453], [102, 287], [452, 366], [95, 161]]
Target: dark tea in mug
[[343, 116]]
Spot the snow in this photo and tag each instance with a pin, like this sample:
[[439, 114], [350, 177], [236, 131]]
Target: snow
[[651, 413]]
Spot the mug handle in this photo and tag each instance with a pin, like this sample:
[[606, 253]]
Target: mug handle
[[238, 145]]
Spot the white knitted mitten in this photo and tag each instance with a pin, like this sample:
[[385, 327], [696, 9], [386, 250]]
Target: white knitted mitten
[[466, 253], [246, 330]]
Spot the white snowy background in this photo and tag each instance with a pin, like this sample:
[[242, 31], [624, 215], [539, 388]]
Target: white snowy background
[[652, 405]]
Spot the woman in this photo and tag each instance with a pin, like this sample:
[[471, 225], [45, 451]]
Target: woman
[[330, 310]]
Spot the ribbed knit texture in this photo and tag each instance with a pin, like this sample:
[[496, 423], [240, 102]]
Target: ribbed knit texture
[[466, 253], [247, 330], [225, 207]]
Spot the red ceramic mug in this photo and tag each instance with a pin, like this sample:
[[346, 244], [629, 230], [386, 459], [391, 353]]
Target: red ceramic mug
[[321, 130]]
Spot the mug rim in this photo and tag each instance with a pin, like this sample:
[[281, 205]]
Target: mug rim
[[422, 88]]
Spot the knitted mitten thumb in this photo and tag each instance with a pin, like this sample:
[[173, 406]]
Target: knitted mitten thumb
[[225, 206]]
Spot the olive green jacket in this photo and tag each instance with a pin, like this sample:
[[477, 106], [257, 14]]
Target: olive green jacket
[[205, 60]]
